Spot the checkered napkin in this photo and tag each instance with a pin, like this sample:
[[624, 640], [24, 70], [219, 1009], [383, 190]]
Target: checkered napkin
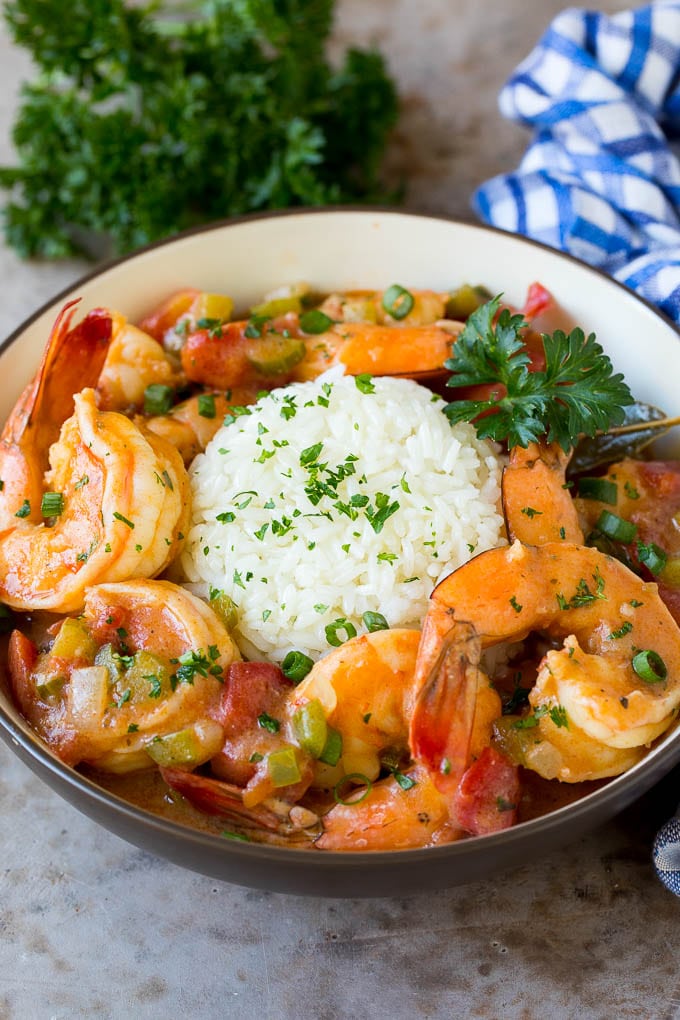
[[600, 178]]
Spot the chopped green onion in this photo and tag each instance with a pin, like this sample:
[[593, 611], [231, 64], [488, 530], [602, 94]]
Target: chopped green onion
[[158, 398], [363, 781], [333, 630], [601, 489], [374, 622], [283, 767], [615, 527], [123, 520], [296, 666], [315, 321], [24, 510], [206, 405], [650, 667], [653, 557], [397, 301], [52, 504], [239, 837]]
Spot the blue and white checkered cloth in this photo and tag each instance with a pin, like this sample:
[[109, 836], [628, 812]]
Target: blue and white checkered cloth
[[600, 178]]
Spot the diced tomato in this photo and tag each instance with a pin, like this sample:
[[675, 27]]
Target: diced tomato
[[217, 358], [488, 794], [22, 655], [250, 688], [167, 314], [221, 358], [538, 300]]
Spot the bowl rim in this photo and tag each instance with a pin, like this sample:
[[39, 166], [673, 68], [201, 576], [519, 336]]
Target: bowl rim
[[334, 210], [605, 802]]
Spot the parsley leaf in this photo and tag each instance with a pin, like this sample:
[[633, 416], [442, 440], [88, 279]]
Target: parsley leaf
[[576, 394]]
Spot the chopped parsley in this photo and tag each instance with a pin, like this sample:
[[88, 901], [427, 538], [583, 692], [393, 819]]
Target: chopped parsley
[[621, 631], [123, 520], [558, 715], [583, 596], [196, 663], [364, 383], [267, 722]]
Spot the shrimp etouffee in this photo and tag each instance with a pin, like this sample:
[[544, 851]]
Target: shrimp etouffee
[[545, 661]]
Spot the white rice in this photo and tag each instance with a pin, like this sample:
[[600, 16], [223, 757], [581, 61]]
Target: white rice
[[292, 567]]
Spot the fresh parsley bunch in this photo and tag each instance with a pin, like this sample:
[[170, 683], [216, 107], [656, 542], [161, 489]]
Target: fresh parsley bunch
[[142, 123], [576, 394]]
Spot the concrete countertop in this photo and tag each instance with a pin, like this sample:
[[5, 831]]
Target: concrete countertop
[[92, 927]]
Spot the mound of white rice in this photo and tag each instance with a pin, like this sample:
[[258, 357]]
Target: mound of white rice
[[324, 501]]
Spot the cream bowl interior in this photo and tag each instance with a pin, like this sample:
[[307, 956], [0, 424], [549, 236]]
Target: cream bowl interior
[[342, 249]]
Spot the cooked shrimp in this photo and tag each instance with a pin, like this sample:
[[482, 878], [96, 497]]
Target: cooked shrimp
[[646, 494], [135, 361], [537, 504], [385, 816], [365, 347], [366, 690], [190, 426], [426, 306], [612, 688], [368, 693], [119, 498], [364, 693], [134, 680]]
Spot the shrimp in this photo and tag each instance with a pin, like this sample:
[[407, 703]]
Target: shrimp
[[134, 361], [646, 494], [426, 307], [120, 497], [72, 358], [606, 694], [537, 505], [368, 693], [190, 426], [364, 693], [137, 360], [134, 681]]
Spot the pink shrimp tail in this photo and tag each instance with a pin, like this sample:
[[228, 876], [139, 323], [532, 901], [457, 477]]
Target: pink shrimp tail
[[444, 713], [72, 360], [224, 800]]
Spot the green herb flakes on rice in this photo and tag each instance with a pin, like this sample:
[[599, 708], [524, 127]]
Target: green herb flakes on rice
[[330, 499]]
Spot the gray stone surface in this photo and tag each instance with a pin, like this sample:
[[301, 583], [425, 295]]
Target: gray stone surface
[[91, 927]]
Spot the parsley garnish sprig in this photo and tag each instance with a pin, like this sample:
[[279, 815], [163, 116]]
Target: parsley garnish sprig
[[576, 393]]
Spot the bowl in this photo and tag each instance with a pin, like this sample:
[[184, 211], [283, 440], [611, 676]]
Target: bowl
[[347, 248]]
